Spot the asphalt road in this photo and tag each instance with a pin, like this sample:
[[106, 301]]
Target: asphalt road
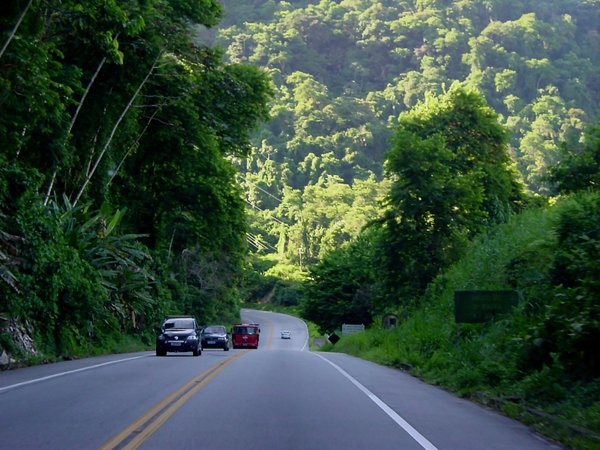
[[280, 396]]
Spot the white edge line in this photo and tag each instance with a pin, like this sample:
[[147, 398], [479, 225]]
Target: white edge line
[[307, 336], [6, 388], [389, 411]]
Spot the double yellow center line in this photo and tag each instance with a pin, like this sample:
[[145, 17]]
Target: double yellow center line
[[270, 332], [140, 430]]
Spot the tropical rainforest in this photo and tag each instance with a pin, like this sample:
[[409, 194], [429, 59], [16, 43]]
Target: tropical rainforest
[[419, 147], [118, 197], [343, 72], [350, 158]]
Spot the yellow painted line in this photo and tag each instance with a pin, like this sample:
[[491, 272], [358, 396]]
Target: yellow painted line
[[143, 427], [270, 332]]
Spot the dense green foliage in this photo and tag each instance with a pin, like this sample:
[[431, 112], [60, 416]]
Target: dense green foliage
[[442, 230], [545, 353], [579, 168], [119, 200], [343, 286], [344, 70], [452, 177], [265, 281], [568, 333], [541, 362], [406, 141]]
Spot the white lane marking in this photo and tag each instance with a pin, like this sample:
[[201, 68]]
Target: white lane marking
[[389, 411], [307, 337], [71, 371]]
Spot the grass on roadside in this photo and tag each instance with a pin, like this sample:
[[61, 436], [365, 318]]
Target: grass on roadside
[[487, 362]]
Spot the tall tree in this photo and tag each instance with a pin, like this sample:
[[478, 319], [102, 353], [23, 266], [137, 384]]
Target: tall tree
[[340, 288], [580, 167], [451, 176], [106, 102]]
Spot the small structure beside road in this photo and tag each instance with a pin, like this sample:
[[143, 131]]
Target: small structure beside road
[[351, 329]]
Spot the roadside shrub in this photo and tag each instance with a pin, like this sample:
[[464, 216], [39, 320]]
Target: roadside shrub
[[568, 329], [75, 286]]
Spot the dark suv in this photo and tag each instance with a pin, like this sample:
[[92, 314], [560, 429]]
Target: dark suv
[[178, 334], [215, 336]]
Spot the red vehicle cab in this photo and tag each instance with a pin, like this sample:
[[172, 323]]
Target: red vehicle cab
[[245, 335]]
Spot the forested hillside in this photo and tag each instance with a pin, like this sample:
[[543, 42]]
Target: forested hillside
[[138, 163], [419, 147], [118, 199], [344, 70]]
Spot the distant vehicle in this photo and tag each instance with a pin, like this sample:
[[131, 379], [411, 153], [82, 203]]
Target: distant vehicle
[[215, 336], [178, 334], [245, 335], [286, 334]]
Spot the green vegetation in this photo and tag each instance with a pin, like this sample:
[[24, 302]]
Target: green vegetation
[[415, 147], [544, 355], [455, 122], [579, 168], [342, 287], [540, 363], [265, 281], [118, 197], [452, 178], [343, 71]]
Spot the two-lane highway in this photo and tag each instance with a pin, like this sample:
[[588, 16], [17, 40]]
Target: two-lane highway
[[281, 396], [272, 324]]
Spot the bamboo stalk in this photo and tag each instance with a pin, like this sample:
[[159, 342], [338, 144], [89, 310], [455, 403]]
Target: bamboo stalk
[[114, 130], [136, 141], [73, 119], [14, 30]]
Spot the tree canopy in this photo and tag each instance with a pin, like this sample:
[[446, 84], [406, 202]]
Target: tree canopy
[[119, 196], [579, 168], [343, 71]]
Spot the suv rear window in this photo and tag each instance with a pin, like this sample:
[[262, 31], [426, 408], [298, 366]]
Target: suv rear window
[[179, 323]]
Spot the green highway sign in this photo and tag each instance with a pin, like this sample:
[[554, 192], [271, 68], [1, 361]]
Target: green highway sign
[[482, 306]]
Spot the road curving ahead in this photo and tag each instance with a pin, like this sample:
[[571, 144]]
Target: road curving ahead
[[280, 396]]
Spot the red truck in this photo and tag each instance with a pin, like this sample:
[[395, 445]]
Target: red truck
[[245, 335]]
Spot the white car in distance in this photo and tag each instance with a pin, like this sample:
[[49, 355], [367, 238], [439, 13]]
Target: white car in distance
[[285, 334]]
